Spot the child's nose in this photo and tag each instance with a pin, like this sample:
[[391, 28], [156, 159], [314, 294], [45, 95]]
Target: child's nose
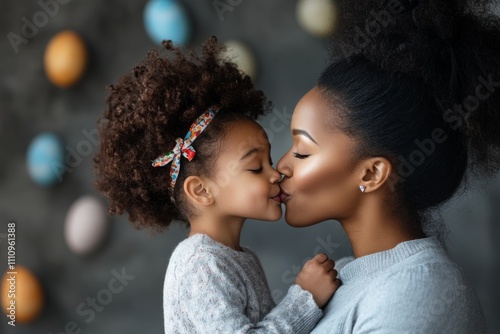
[[275, 176]]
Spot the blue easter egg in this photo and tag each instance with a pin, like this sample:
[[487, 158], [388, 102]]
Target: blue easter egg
[[45, 159], [166, 19]]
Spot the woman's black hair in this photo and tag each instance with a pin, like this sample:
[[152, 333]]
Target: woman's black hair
[[418, 83]]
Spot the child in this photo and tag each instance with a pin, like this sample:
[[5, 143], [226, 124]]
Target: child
[[180, 142]]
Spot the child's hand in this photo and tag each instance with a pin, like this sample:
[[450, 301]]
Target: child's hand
[[319, 278]]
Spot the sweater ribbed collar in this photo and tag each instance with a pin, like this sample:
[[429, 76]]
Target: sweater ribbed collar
[[369, 264]]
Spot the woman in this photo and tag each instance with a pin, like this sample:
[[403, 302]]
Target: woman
[[390, 132]]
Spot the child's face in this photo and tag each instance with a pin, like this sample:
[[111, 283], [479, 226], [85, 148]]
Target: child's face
[[246, 183]]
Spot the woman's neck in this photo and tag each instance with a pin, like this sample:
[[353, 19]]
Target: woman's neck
[[226, 231], [374, 230]]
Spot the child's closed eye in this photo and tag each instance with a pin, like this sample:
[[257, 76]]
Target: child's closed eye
[[256, 171]]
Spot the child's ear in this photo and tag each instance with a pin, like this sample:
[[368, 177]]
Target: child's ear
[[195, 189]]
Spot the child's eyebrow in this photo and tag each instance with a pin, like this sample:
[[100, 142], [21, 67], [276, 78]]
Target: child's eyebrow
[[251, 151]]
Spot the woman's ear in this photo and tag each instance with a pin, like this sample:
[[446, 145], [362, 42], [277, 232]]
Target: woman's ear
[[375, 172], [197, 192]]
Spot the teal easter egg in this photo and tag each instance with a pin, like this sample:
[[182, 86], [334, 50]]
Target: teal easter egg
[[166, 19], [45, 159]]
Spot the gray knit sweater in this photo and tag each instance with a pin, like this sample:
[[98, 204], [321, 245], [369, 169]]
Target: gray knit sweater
[[211, 288], [412, 288]]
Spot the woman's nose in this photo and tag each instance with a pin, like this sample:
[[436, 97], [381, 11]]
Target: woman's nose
[[283, 166]]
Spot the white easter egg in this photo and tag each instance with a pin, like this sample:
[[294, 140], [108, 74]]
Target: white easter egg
[[86, 225], [318, 17], [242, 56]]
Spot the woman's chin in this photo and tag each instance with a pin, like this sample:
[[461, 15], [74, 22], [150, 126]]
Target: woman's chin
[[295, 221]]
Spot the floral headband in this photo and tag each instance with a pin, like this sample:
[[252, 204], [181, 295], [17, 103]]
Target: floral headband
[[183, 147]]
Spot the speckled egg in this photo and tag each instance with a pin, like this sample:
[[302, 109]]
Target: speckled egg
[[45, 159]]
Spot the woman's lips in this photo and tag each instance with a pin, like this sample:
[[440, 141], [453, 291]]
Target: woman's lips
[[284, 196]]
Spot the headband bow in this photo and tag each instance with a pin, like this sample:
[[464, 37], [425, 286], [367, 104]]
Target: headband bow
[[183, 147]]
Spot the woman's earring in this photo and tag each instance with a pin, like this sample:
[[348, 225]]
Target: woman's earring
[[362, 188]]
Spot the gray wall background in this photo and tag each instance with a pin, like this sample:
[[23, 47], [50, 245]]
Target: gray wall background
[[289, 61]]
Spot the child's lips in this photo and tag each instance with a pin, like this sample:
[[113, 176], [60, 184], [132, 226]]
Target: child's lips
[[277, 197]]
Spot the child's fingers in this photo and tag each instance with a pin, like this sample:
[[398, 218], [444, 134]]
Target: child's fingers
[[321, 257], [333, 274], [328, 264], [336, 283]]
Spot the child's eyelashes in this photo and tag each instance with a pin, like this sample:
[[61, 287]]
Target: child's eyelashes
[[256, 171], [300, 156], [261, 168]]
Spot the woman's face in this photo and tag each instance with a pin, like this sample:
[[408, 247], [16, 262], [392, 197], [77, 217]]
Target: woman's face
[[320, 181]]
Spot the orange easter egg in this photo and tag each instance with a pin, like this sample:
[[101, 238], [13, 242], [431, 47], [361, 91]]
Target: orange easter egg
[[65, 58], [21, 295]]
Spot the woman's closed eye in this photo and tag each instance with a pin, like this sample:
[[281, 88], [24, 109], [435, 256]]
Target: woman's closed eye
[[300, 156]]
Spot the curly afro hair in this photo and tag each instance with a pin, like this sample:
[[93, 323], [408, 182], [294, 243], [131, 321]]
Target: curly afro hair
[[417, 81], [152, 106]]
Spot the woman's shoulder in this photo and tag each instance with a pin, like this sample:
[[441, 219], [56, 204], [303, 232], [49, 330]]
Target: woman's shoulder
[[430, 269], [429, 288], [431, 265], [430, 284]]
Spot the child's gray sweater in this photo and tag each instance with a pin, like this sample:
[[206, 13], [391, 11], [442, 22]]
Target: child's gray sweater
[[212, 288]]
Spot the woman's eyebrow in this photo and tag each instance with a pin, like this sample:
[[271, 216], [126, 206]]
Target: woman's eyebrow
[[296, 132]]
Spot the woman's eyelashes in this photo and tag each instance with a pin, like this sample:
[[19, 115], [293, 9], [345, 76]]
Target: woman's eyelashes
[[300, 156]]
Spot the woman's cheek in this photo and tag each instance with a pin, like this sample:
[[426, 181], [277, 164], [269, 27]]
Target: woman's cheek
[[310, 175]]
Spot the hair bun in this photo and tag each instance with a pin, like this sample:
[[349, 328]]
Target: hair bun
[[399, 36], [450, 47]]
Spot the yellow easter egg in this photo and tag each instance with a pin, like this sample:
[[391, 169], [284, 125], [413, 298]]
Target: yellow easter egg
[[65, 58], [22, 295], [318, 17], [242, 56]]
